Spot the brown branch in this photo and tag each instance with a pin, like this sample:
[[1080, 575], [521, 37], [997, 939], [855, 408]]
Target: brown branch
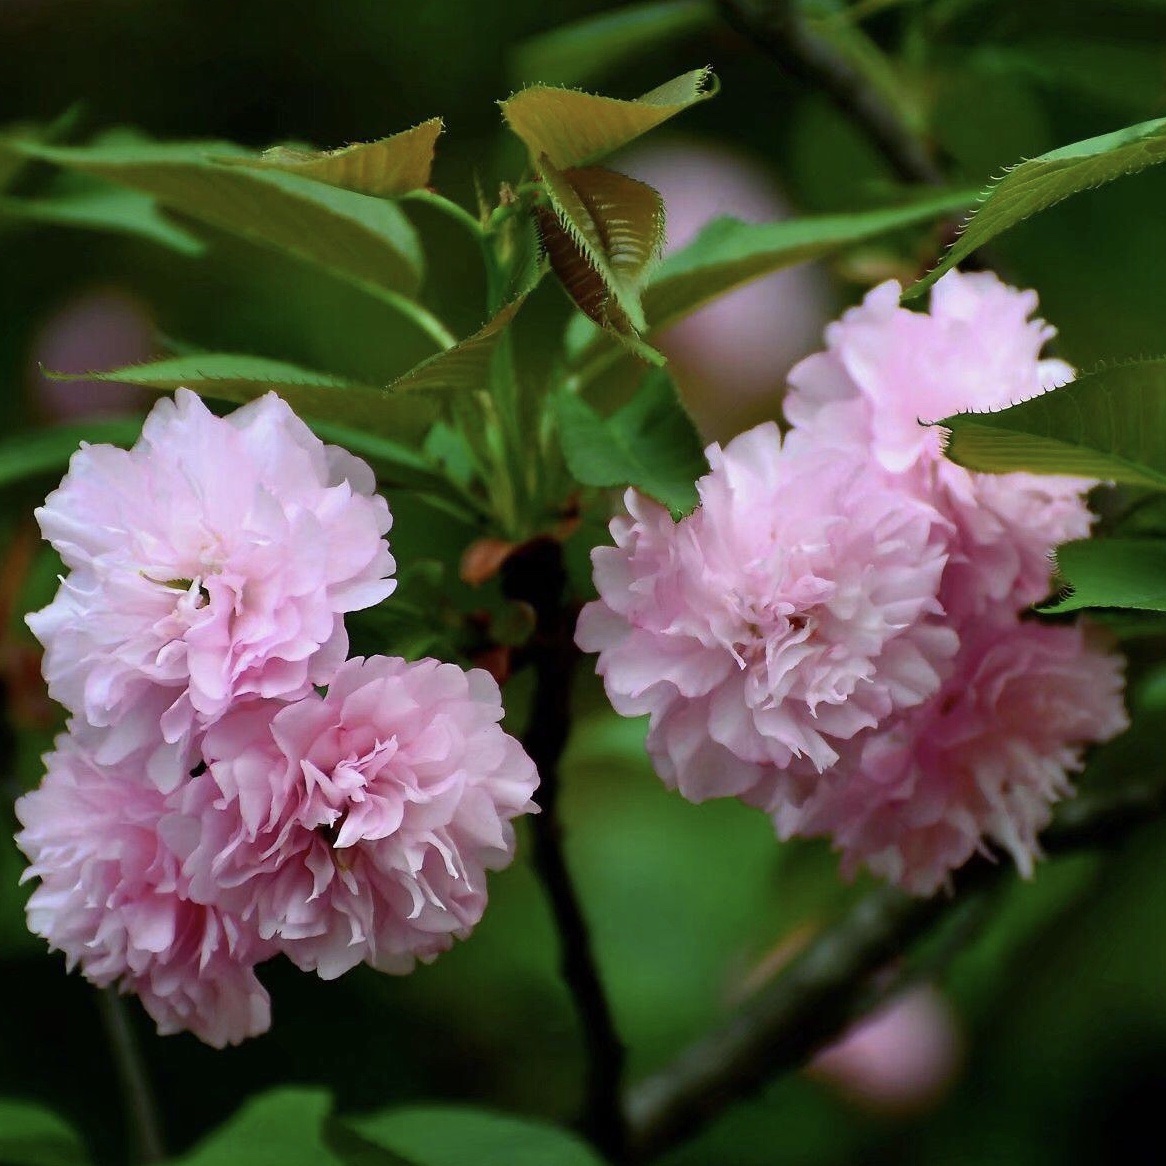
[[830, 984], [780, 31], [534, 574]]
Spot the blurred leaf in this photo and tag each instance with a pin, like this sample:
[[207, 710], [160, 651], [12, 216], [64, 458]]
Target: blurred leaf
[[1109, 424], [33, 1136], [457, 1136], [573, 54], [649, 443], [605, 232], [386, 168], [396, 464], [402, 410], [364, 240], [1126, 75], [1112, 572], [573, 128], [48, 450], [1042, 182], [728, 253], [103, 208], [285, 1127]]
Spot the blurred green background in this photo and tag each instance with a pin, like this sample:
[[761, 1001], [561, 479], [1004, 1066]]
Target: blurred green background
[[1059, 1001]]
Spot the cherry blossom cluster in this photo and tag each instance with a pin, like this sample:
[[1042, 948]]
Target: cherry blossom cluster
[[229, 786], [839, 633]]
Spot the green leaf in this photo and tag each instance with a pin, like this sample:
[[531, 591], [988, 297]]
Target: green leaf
[[33, 1136], [103, 208], [459, 1136], [1112, 572], [1042, 182], [228, 376], [605, 232], [400, 411], [285, 1127], [1109, 424], [386, 168], [47, 451], [649, 443], [728, 253], [364, 240], [573, 54], [572, 128]]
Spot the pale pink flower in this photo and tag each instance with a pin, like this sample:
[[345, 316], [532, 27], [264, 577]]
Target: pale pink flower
[[984, 759], [794, 608], [359, 826], [887, 369], [211, 563], [899, 1059], [730, 358], [112, 897]]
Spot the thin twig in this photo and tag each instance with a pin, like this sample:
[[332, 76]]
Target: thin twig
[[779, 30], [137, 1095], [534, 574], [833, 982]]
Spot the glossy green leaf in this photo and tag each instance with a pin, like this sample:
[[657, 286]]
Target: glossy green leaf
[[47, 451], [102, 208], [1112, 572], [386, 168], [573, 128], [33, 1136], [459, 1136], [364, 240], [228, 376], [611, 229], [649, 443], [400, 411], [1042, 182], [573, 54], [285, 1127], [728, 253], [1109, 424]]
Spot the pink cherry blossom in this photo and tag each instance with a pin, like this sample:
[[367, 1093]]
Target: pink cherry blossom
[[793, 609], [984, 759], [112, 897], [886, 369], [359, 826], [211, 563]]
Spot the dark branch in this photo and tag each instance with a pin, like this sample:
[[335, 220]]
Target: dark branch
[[780, 31], [834, 981], [534, 574]]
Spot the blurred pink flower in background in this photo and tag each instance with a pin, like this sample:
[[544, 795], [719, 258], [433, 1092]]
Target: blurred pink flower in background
[[900, 1059], [730, 359], [99, 329]]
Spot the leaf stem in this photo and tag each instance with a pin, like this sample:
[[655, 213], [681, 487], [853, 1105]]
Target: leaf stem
[[138, 1099], [421, 317], [448, 207], [535, 574]]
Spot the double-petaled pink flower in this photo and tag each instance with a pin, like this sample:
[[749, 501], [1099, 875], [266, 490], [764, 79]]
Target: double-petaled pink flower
[[835, 635], [208, 808]]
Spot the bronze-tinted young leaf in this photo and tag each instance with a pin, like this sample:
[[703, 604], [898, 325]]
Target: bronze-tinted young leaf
[[602, 234], [386, 168], [573, 128]]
